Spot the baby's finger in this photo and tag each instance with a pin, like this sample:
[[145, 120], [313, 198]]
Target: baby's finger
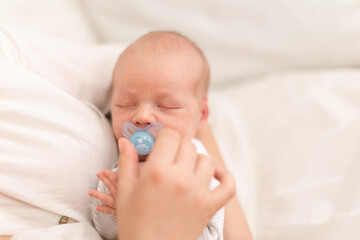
[[112, 176], [109, 185], [106, 209], [103, 197]]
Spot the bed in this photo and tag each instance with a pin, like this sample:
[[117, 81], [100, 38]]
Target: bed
[[284, 101]]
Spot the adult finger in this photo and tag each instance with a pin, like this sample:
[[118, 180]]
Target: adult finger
[[165, 147], [205, 169], [128, 170], [225, 191], [186, 157]]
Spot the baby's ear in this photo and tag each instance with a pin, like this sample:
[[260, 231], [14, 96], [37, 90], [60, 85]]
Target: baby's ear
[[204, 114]]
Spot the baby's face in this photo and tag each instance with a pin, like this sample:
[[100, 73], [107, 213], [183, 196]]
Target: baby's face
[[162, 89]]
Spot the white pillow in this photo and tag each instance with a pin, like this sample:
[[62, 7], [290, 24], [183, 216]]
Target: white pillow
[[52, 144], [84, 71]]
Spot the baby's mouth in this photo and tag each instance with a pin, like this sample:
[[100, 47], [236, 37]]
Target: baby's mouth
[[142, 158]]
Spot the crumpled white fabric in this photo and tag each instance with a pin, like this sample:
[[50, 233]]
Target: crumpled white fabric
[[51, 146], [74, 231]]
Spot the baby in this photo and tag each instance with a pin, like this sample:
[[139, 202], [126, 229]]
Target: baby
[[161, 77]]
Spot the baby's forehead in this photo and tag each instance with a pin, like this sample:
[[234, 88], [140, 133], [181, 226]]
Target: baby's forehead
[[165, 45]]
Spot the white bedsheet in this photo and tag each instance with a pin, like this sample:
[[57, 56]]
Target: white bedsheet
[[292, 142]]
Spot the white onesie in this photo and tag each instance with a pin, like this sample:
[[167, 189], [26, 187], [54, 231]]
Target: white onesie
[[105, 224]]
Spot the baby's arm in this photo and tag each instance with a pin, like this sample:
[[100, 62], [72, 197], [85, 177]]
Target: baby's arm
[[103, 217]]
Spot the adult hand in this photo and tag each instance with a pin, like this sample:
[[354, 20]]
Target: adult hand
[[5, 237], [171, 198]]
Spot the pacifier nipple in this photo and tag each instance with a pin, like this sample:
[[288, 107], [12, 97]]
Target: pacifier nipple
[[142, 138]]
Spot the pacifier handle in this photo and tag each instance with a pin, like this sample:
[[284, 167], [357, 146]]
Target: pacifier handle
[[126, 127], [154, 128]]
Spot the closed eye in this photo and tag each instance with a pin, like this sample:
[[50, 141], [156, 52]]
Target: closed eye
[[169, 107], [126, 105]]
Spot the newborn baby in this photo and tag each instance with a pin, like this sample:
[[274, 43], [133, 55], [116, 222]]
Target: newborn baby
[[162, 77]]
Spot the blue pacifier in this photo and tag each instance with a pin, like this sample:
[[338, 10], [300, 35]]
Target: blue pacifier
[[142, 138]]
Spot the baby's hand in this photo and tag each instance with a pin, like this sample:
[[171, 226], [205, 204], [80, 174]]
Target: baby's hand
[[109, 179]]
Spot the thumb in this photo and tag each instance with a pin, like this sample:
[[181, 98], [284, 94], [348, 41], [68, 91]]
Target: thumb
[[222, 194], [128, 169]]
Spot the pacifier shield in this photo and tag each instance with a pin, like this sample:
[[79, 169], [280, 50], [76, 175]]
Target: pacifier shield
[[142, 138]]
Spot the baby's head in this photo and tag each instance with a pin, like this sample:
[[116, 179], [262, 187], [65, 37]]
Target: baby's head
[[161, 77]]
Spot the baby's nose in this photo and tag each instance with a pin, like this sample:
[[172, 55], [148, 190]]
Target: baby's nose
[[144, 116]]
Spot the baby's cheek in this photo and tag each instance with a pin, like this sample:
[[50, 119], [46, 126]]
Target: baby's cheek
[[176, 122], [185, 131], [117, 130]]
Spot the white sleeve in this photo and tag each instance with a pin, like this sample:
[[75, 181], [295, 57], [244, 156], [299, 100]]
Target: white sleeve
[[209, 233], [104, 223]]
